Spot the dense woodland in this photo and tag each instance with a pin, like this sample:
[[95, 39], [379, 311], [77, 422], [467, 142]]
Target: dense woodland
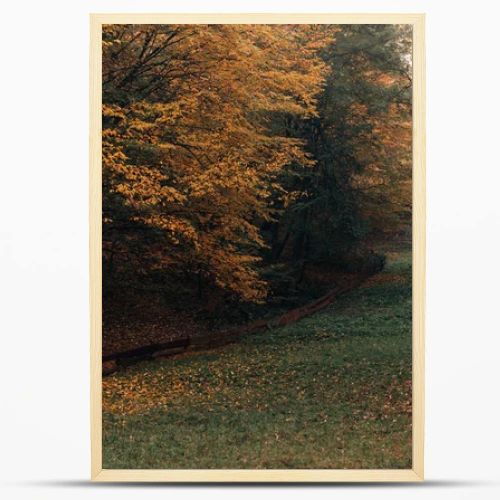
[[243, 164]]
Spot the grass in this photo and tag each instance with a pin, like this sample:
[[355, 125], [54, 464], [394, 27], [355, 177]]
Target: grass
[[330, 391]]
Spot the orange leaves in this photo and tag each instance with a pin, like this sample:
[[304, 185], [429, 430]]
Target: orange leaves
[[138, 393], [187, 141]]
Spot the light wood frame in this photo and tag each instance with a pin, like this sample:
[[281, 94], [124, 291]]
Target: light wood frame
[[261, 475]]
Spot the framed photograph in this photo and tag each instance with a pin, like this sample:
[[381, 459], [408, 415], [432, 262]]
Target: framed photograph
[[257, 247]]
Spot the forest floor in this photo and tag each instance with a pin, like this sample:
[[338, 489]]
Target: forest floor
[[330, 391]]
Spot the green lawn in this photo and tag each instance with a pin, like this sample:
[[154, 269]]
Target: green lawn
[[331, 391]]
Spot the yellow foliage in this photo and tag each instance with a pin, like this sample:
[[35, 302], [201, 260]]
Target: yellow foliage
[[188, 143]]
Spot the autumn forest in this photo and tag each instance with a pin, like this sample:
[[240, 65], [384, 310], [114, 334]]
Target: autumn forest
[[257, 208]]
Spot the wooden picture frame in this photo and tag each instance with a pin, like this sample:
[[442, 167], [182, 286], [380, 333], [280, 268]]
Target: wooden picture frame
[[416, 473]]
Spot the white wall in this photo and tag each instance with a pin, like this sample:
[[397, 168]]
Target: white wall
[[44, 443]]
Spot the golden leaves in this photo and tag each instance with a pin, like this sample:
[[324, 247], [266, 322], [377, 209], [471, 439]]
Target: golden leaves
[[138, 393], [187, 143]]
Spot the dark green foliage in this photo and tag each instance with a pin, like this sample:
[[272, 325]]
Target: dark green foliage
[[325, 222]]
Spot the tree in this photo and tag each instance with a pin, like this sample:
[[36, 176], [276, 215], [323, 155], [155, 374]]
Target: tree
[[361, 143], [190, 153]]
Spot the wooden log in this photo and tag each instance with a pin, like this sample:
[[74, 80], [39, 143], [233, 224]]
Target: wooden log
[[163, 353], [109, 367], [178, 346]]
